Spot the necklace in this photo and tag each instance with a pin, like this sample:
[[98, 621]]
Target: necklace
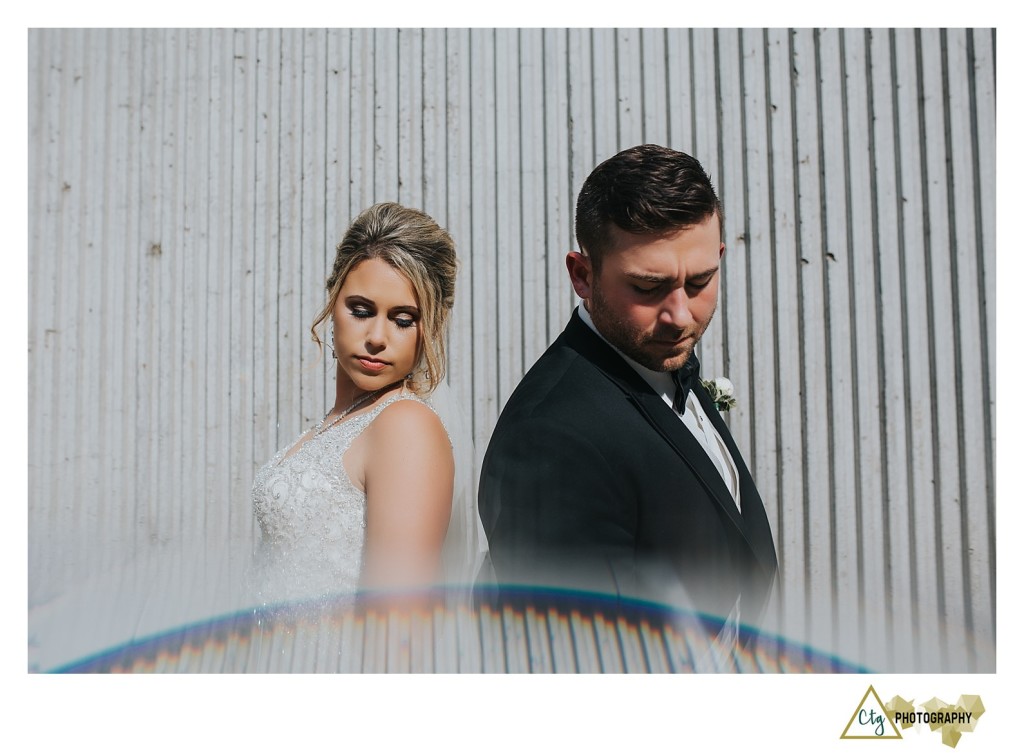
[[368, 397]]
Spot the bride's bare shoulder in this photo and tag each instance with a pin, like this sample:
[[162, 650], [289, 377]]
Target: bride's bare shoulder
[[408, 457], [411, 423]]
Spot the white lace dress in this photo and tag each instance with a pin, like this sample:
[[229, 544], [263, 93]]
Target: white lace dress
[[312, 517]]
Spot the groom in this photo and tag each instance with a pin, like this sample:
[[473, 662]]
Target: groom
[[610, 468]]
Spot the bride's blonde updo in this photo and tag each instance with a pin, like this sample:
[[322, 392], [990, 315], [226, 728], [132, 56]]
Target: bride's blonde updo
[[412, 243]]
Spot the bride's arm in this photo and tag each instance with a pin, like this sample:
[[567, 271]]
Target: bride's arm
[[409, 474]]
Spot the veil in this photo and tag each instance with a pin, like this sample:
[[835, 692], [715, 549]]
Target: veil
[[465, 546]]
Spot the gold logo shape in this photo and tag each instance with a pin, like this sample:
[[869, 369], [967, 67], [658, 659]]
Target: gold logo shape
[[951, 720], [871, 720]]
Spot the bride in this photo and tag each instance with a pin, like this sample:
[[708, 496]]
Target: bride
[[363, 499]]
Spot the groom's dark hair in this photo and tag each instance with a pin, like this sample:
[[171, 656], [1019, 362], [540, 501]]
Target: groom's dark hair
[[646, 189]]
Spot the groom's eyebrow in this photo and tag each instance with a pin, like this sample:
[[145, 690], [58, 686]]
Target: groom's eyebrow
[[706, 273], [648, 277], [651, 277]]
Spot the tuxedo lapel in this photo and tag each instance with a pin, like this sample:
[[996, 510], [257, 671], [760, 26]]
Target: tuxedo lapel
[[755, 528], [661, 418], [668, 425]]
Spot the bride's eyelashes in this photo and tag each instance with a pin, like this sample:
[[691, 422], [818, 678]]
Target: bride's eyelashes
[[402, 320]]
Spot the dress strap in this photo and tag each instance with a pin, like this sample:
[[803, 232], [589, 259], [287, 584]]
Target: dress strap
[[361, 422], [345, 433]]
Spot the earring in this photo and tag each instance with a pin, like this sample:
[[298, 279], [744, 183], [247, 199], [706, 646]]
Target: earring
[[333, 354]]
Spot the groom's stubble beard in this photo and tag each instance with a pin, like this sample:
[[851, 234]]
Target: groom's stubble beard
[[643, 347]]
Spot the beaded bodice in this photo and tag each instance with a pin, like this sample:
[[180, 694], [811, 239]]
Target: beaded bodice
[[312, 517]]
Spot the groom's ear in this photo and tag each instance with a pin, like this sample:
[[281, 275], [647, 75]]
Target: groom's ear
[[580, 273]]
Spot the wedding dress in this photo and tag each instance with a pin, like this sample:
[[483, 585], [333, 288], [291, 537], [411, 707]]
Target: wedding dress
[[308, 563], [313, 518]]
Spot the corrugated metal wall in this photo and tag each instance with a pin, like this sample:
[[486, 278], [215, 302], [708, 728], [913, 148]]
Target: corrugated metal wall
[[186, 189]]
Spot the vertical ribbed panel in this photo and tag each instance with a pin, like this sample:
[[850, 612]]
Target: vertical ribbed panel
[[187, 189]]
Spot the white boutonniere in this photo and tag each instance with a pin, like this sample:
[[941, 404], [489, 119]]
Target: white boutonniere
[[721, 391]]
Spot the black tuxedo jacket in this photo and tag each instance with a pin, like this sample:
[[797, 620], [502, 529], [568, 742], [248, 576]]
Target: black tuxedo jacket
[[591, 481]]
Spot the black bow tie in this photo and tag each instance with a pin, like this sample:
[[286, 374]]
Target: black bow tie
[[685, 378]]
